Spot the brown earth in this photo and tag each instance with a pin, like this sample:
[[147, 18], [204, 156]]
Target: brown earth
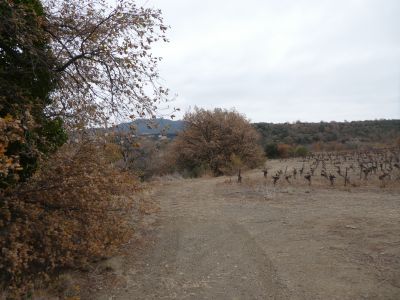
[[216, 239]]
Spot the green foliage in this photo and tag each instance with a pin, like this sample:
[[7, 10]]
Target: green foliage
[[301, 151], [26, 81], [271, 150], [346, 133], [53, 135]]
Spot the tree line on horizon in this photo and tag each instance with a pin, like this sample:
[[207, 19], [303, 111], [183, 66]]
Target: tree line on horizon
[[331, 136], [300, 133]]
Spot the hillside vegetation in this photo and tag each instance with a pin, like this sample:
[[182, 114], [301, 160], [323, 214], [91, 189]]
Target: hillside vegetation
[[350, 134], [299, 133]]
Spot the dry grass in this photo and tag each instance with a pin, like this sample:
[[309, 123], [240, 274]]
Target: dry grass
[[354, 227]]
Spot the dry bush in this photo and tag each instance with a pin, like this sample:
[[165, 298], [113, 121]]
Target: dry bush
[[284, 150], [10, 131], [73, 211], [216, 141]]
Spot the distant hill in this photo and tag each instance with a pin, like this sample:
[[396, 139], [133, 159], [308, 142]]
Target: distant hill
[[377, 131], [300, 133], [154, 127]]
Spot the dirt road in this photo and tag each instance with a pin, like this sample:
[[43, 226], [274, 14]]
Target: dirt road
[[218, 240]]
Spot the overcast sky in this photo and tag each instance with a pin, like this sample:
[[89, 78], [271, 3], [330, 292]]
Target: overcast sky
[[284, 60]]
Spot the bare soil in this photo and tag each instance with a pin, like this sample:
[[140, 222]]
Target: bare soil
[[216, 239]]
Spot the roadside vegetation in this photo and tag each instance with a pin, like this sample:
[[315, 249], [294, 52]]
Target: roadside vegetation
[[65, 67]]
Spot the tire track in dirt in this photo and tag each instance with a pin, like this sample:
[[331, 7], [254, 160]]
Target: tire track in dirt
[[201, 253]]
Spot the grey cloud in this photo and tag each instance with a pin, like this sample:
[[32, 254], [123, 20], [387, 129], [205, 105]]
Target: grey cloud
[[285, 60]]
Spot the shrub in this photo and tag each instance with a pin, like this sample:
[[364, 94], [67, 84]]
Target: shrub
[[271, 150], [211, 139], [284, 150], [73, 211], [301, 151]]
